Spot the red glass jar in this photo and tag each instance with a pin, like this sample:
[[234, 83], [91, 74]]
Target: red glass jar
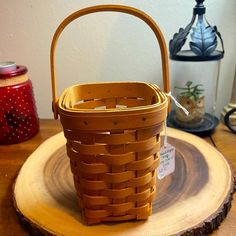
[[18, 115]]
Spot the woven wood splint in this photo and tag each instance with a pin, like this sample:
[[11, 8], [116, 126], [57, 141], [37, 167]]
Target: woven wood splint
[[113, 135]]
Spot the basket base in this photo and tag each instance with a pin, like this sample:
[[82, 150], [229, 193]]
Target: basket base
[[45, 199]]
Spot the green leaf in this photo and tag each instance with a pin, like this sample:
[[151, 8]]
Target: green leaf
[[186, 94], [198, 94], [182, 88], [189, 83]]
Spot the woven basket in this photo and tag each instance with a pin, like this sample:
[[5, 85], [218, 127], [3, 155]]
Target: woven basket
[[113, 136]]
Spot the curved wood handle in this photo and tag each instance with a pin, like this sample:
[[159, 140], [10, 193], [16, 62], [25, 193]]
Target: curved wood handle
[[102, 8]]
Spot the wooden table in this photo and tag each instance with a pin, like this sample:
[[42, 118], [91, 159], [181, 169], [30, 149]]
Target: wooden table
[[13, 156]]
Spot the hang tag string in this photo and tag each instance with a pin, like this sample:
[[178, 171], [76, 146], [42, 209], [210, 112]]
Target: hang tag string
[[178, 104]]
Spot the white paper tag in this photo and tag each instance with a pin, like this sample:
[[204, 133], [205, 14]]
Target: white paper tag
[[167, 161]]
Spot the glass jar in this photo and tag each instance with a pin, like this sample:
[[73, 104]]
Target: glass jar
[[195, 66], [195, 86]]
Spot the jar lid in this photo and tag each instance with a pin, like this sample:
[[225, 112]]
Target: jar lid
[[10, 69]]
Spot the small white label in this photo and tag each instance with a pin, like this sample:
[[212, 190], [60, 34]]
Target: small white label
[[167, 161]]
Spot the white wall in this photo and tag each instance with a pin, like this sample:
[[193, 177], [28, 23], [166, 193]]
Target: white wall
[[104, 46]]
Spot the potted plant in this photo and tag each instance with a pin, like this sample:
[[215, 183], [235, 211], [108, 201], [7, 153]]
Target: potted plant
[[191, 97]]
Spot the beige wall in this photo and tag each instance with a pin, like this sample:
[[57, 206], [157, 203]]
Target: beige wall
[[104, 47]]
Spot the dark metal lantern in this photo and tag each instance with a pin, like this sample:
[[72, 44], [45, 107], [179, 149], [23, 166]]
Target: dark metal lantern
[[203, 39]]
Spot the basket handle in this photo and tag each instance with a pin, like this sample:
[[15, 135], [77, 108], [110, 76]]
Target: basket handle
[[103, 8]]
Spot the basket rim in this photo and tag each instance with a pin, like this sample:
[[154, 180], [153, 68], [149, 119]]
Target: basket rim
[[139, 109]]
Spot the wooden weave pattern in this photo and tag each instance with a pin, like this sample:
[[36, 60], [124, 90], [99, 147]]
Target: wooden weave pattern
[[112, 186], [114, 168]]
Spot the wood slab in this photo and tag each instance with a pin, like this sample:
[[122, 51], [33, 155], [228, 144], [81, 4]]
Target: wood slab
[[191, 201]]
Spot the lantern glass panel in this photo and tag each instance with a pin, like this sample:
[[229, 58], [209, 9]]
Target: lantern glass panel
[[195, 85]]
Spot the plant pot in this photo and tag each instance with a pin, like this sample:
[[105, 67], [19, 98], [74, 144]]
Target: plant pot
[[195, 109]]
